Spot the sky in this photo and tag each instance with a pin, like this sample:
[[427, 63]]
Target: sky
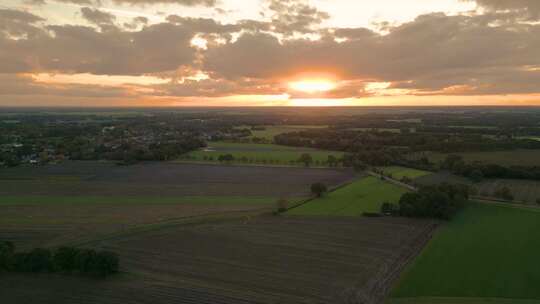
[[97, 53]]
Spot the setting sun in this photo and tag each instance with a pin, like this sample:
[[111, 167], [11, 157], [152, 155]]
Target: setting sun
[[312, 86]]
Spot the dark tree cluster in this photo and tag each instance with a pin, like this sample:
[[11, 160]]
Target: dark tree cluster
[[476, 171], [63, 260], [319, 189], [440, 202]]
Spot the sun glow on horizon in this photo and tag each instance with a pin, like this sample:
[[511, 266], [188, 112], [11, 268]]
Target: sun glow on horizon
[[313, 85]]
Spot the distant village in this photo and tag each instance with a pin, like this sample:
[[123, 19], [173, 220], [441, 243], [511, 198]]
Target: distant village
[[46, 141]]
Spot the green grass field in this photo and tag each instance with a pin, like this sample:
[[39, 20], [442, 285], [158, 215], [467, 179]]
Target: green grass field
[[79, 200], [400, 172], [504, 158], [260, 153], [364, 195], [486, 252]]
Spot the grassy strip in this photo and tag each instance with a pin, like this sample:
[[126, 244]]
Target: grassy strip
[[76, 200], [487, 251], [400, 172], [260, 153], [364, 195]]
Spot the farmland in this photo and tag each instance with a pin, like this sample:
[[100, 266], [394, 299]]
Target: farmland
[[59, 203], [364, 195], [267, 154], [505, 158], [486, 252], [161, 179], [257, 260]]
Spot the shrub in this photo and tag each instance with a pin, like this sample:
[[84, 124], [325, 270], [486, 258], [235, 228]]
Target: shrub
[[106, 263], [85, 260], [389, 208], [318, 189], [7, 250], [20, 262], [37, 260], [504, 193], [282, 205], [476, 176], [65, 259], [372, 214], [226, 158], [306, 159]]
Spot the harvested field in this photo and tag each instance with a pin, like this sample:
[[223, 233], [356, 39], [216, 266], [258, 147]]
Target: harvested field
[[63, 203], [164, 180], [467, 256], [258, 260], [34, 225]]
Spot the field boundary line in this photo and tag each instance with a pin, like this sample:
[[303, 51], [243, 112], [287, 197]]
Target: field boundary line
[[508, 204], [379, 287], [499, 200]]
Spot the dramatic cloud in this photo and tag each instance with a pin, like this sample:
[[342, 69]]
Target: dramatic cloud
[[26, 85], [530, 7], [135, 22], [97, 17], [290, 16], [421, 54], [80, 49], [492, 51], [18, 24], [207, 3]]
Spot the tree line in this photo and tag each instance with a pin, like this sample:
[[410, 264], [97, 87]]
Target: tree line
[[61, 260], [476, 171]]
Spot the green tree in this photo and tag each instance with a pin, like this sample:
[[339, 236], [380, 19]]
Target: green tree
[[332, 161], [7, 250], [226, 158], [282, 205], [306, 159], [476, 176], [38, 260], [106, 263], [504, 193], [65, 259], [319, 189]]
